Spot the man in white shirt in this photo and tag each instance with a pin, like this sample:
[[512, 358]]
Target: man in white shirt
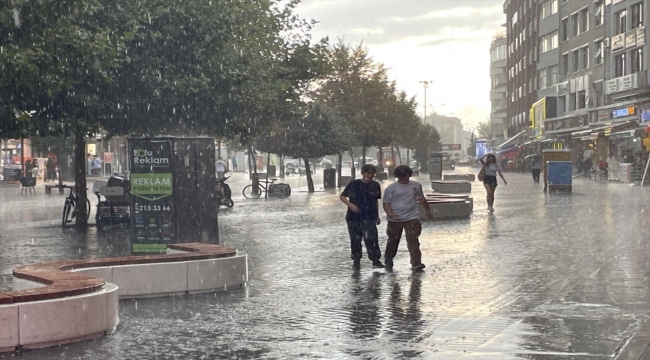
[[401, 204]]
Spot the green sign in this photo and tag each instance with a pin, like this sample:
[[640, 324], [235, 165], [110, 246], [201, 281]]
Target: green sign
[[152, 208], [151, 186]]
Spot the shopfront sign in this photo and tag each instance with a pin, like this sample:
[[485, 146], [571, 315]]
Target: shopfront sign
[[630, 39], [618, 42], [640, 36], [152, 225], [450, 147], [619, 113], [645, 115], [108, 157], [563, 124]]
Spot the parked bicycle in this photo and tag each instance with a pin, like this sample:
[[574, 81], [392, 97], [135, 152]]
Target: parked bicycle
[[280, 190], [68, 208]]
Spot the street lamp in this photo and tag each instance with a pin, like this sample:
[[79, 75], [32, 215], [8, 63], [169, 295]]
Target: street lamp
[[425, 83]]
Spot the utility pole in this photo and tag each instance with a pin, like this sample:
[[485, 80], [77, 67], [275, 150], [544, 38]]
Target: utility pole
[[425, 83]]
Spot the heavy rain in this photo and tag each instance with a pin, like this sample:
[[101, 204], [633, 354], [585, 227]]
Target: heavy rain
[[380, 179]]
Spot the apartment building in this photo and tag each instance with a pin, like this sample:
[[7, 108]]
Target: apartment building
[[522, 40], [498, 91]]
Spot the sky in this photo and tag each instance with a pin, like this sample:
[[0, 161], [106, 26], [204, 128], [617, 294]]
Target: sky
[[445, 42]]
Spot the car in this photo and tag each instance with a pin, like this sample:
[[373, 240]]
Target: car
[[324, 163], [369, 160]]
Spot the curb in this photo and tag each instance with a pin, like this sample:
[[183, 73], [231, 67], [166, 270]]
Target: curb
[[637, 346]]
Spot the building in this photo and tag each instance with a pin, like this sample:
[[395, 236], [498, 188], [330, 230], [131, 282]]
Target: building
[[451, 133], [602, 94], [521, 62], [498, 91]]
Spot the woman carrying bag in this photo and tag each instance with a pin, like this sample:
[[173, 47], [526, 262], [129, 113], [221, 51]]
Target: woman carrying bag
[[489, 177]]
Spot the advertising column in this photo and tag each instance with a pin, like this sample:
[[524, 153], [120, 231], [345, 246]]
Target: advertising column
[[152, 226]]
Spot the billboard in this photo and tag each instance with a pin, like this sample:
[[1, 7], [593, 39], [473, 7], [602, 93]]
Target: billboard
[[152, 225], [480, 145]]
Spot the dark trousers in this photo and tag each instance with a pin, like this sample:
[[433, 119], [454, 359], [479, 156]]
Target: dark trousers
[[366, 230], [413, 229], [536, 175]]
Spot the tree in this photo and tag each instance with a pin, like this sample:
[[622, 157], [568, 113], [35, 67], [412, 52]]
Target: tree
[[57, 59], [319, 132], [484, 130], [427, 140]]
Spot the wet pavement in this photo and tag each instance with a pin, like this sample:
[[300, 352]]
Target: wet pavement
[[546, 276]]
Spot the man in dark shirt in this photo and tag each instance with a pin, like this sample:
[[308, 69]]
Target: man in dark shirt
[[361, 197]]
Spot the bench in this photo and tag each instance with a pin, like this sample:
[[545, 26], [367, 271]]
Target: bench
[[451, 186], [48, 188], [445, 208], [74, 300]]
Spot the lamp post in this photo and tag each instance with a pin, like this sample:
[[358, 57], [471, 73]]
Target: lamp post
[[424, 83]]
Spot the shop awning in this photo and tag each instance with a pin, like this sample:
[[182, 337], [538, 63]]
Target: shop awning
[[510, 141], [624, 134], [605, 130]]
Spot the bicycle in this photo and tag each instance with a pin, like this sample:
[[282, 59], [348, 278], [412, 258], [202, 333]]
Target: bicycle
[[280, 190], [68, 208]]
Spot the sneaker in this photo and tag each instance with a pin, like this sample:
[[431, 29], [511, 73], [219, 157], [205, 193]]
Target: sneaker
[[490, 208], [418, 267], [376, 264], [389, 264]]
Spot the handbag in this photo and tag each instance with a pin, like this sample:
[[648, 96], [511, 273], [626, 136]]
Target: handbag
[[481, 174]]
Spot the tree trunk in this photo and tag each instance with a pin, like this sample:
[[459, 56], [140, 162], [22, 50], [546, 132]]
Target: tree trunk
[[338, 169], [310, 181], [380, 159], [399, 156], [363, 155], [80, 161]]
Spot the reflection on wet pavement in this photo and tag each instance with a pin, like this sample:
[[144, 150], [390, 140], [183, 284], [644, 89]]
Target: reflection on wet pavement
[[558, 276]]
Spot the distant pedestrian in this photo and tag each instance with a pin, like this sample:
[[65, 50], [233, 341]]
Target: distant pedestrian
[[362, 196], [234, 163], [536, 168], [221, 167], [489, 161], [587, 161], [400, 203]]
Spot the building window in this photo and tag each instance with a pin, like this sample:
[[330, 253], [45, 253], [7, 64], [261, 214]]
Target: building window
[[575, 25], [497, 80], [636, 62], [564, 64], [564, 27], [552, 75], [561, 104], [584, 20], [498, 53], [542, 79], [620, 22], [636, 15], [619, 65], [572, 102], [585, 57], [599, 11], [575, 60], [598, 52], [582, 100], [549, 8], [549, 42]]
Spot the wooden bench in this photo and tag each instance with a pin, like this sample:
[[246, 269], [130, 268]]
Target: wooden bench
[[48, 188], [74, 300]]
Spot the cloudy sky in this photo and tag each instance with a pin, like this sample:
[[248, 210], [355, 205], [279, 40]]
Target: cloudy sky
[[443, 41]]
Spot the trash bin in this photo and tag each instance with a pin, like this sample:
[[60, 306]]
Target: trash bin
[[271, 170], [329, 178], [559, 175]]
